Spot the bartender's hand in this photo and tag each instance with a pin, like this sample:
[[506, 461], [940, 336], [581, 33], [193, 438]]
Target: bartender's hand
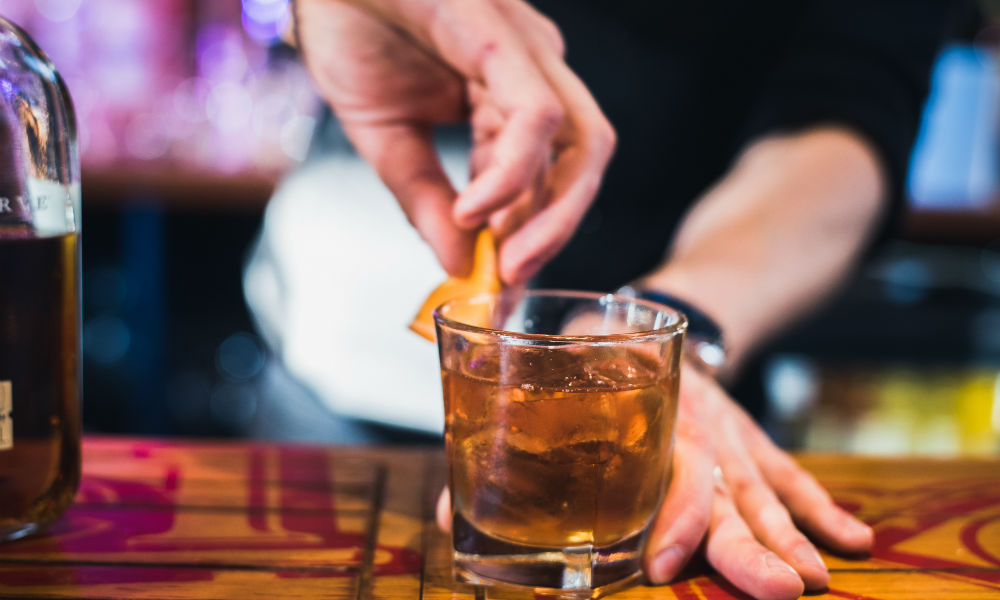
[[393, 70], [753, 513], [750, 518]]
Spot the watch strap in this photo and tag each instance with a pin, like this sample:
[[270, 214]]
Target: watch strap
[[704, 342]]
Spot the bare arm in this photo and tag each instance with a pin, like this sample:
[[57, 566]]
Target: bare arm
[[763, 246], [776, 234]]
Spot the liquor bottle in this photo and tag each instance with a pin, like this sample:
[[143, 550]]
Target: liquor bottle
[[39, 289]]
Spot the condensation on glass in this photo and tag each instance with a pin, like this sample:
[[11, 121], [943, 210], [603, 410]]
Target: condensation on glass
[[39, 289]]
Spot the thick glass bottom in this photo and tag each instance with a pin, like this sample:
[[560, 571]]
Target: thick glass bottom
[[17, 531], [576, 572]]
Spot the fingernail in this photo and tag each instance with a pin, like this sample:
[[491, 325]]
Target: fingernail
[[810, 567], [806, 554], [666, 564], [777, 566], [856, 528], [465, 218]]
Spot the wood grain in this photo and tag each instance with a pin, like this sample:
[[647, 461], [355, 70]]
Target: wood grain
[[180, 520]]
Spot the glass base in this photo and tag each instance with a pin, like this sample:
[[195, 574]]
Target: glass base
[[18, 531], [576, 572]]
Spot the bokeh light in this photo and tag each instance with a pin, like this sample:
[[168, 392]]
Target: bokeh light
[[168, 84], [265, 20]]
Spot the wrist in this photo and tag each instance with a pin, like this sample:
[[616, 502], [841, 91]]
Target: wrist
[[709, 288], [704, 345]]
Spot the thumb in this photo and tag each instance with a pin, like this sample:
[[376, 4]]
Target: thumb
[[442, 513], [405, 159]]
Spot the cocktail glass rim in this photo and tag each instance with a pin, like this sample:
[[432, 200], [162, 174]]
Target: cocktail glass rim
[[677, 322]]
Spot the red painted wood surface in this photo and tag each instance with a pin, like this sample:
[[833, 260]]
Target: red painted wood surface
[[178, 520]]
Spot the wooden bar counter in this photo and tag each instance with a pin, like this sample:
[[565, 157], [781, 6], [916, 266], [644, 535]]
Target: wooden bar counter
[[181, 520]]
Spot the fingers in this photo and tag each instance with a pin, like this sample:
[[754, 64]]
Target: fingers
[[525, 131], [757, 506], [572, 185], [443, 510], [510, 218], [810, 505], [765, 515], [683, 518], [585, 146], [527, 17], [405, 159], [740, 558], [511, 207], [513, 164], [485, 46], [396, 69]]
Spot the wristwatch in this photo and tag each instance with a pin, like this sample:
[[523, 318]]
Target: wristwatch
[[703, 343]]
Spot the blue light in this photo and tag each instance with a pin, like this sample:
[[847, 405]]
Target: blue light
[[955, 158]]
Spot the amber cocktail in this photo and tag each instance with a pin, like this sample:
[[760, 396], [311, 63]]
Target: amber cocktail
[[560, 410]]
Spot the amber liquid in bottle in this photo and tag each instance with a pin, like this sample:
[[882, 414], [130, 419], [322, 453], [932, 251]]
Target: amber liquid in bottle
[[39, 381]]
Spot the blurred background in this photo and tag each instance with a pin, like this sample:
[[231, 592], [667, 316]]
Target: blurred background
[[190, 112]]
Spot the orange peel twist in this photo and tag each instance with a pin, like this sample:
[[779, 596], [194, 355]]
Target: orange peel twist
[[484, 278]]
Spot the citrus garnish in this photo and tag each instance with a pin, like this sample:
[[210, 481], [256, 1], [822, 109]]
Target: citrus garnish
[[483, 279]]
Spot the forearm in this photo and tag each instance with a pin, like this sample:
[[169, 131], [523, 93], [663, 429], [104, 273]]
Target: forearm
[[776, 234]]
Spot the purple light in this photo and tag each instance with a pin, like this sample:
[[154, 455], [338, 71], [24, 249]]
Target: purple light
[[265, 11], [57, 10], [8, 88], [221, 55], [264, 20]]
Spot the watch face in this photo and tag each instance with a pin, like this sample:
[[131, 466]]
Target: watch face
[[710, 354]]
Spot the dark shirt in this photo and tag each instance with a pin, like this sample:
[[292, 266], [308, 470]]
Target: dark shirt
[[687, 84]]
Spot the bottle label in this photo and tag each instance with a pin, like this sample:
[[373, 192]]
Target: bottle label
[[6, 420]]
